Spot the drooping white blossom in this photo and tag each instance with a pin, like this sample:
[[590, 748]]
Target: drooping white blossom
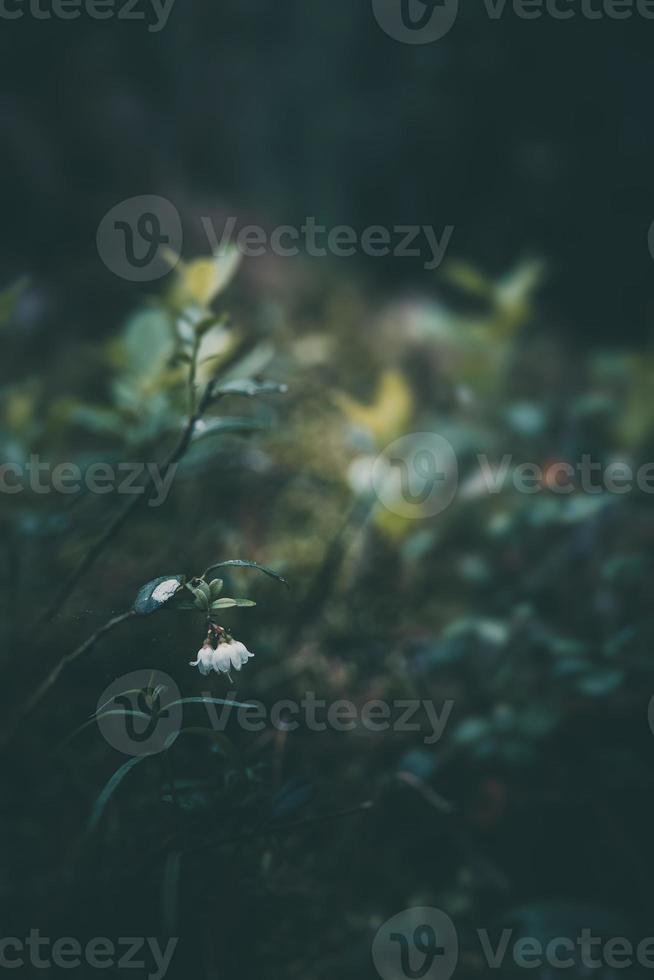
[[206, 659], [229, 655]]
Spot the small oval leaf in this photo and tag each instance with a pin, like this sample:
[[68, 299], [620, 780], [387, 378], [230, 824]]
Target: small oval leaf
[[157, 593], [248, 387]]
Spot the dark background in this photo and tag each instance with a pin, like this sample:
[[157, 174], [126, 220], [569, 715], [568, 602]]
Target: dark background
[[531, 137], [534, 139]]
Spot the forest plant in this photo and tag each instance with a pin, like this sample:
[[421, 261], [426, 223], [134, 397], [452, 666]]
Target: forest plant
[[220, 652], [188, 308]]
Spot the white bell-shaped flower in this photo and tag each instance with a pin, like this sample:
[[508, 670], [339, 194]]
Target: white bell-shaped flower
[[206, 661], [230, 655]]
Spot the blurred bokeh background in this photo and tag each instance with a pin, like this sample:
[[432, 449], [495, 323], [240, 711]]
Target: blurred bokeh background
[[280, 854]]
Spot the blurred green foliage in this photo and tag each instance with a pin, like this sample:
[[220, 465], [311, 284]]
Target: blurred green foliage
[[530, 612]]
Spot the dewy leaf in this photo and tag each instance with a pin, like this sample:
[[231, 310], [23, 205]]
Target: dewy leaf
[[249, 388], [239, 563], [213, 427], [157, 593]]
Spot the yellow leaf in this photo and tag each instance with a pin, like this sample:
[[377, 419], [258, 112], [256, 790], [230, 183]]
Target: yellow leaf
[[201, 281], [389, 414]]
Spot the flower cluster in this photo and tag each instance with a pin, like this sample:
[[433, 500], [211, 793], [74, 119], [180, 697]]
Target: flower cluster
[[228, 654]]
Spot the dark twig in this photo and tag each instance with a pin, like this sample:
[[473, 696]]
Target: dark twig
[[117, 522]]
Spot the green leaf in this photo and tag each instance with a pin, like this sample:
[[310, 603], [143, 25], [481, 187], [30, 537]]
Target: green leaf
[[209, 322], [109, 789], [156, 594], [248, 387], [119, 712], [212, 427], [216, 586], [148, 343], [238, 563], [226, 603], [201, 601], [205, 700]]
